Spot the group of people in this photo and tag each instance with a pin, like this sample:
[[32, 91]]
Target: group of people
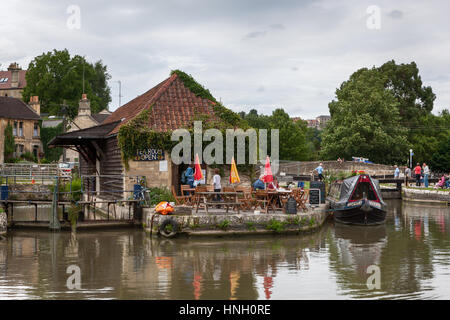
[[260, 185], [422, 172]]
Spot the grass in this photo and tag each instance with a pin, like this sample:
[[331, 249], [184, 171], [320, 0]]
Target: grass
[[432, 189]]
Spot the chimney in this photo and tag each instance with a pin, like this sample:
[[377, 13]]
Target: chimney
[[14, 68], [84, 107], [35, 104]]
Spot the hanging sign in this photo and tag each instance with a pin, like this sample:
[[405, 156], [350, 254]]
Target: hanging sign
[[149, 155]]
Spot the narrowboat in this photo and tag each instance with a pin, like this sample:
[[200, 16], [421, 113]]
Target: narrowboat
[[357, 200]]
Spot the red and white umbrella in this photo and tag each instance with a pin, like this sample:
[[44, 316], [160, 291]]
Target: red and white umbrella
[[268, 177]]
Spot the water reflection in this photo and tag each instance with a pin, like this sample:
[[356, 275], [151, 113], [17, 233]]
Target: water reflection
[[411, 249]]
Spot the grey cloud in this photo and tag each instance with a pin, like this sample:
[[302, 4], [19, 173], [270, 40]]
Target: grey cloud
[[277, 26], [395, 14], [255, 34]]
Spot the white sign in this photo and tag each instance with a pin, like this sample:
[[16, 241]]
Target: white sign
[[163, 166]]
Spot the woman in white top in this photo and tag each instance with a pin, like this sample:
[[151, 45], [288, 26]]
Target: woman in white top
[[216, 183]]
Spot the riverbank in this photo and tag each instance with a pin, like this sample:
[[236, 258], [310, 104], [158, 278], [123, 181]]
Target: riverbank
[[218, 223], [426, 195]]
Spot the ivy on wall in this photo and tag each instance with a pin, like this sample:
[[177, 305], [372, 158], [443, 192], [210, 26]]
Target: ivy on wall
[[136, 134], [9, 144]]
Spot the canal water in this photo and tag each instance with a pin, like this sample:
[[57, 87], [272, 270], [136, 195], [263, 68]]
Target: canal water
[[412, 252]]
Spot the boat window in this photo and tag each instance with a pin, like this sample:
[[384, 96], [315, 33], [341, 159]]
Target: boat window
[[363, 188]]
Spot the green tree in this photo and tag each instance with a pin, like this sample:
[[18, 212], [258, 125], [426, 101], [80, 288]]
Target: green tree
[[47, 134], [57, 77], [365, 121], [9, 144], [314, 141], [292, 136], [292, 139], [440, 161]]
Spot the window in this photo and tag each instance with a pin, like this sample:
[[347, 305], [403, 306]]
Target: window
[[15, 129], [35, 130], [20, 129], [35, 151]]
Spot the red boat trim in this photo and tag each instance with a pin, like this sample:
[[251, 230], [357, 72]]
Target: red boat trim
[[364, 179]]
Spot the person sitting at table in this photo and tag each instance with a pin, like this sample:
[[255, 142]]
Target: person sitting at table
[[259, 184], [273, 185]]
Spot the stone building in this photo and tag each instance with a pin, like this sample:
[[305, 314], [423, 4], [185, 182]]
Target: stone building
[[25, 122], [171, 105], [12, 81], [84, 119]]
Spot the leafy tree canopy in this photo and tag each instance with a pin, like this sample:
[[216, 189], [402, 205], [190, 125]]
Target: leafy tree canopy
[[56, 77], [365, 121]]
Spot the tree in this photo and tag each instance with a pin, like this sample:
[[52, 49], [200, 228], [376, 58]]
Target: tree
[[314, 141], [365, 121], [9, 144], [57, 77], [440, 161], [47, 134]]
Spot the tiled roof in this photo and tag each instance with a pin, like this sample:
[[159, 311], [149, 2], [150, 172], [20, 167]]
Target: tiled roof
[[74, 137], [173, 105], [13, 108], [7, 84], [100, 117]]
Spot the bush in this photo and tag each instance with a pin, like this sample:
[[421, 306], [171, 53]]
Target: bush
[[160, 194]]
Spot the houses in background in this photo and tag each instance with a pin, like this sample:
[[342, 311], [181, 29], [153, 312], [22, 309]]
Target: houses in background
[[319, 123], [12, 81], [24, 120]]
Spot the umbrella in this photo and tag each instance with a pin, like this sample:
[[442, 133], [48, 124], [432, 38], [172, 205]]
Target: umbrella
[[198, 175], [268, 177], [234, 176]]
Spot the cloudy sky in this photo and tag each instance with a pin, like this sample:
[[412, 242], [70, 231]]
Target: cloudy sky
[[249, 53]]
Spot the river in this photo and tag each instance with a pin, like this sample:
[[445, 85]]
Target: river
[[411, 250]]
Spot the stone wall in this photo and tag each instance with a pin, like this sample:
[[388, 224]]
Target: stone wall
[[425, 195], [306, 167], [237, 224]]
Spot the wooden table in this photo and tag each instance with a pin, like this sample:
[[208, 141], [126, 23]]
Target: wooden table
[[207, 199]]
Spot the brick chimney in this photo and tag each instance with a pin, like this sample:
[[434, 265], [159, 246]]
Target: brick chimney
[[84, 107], [35, 104], [14, 68]]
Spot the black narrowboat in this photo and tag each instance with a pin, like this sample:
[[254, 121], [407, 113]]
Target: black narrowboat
[[357, 200]]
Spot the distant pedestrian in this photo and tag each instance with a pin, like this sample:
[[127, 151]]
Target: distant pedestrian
[[407, 175], [426, 174], [417, 171], [396, 172], [216, 183], [319, 170]]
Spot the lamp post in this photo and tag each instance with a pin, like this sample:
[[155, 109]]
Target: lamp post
[[120, 92], [410, 158]]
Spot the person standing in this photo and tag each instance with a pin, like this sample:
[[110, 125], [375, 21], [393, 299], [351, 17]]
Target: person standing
[[216, 183], [417, 171], [319, 170], [426, 174], [189, 174], [396, 172], [407, 175]]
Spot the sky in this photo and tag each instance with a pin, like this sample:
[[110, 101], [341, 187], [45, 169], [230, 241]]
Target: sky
[[251, 54]]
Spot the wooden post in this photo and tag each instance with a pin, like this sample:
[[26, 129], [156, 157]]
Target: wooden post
[[54, 220]]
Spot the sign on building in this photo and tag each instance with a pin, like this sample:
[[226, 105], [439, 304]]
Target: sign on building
[[149, 155]]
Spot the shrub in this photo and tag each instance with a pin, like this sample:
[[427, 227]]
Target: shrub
[[160, 194]]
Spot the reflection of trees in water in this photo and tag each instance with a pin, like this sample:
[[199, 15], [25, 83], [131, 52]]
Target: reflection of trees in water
[[403, 248]]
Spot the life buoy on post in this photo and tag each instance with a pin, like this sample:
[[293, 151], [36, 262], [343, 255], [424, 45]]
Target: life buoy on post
[[169, 228]]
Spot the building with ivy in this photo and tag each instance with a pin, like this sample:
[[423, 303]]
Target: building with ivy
[[134, 141]]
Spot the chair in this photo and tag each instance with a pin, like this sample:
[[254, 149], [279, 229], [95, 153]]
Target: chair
[[179, 199], [189, 196], [262, 199], [245, 197], [228, 189]]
